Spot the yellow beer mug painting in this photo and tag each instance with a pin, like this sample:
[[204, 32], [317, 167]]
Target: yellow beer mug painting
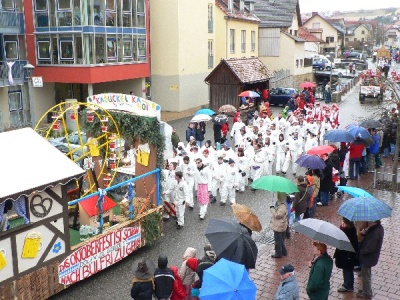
[[3, 261], [32, 244]]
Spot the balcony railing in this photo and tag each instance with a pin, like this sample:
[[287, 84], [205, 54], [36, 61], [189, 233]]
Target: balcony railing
[[17, 72], [9, 21]]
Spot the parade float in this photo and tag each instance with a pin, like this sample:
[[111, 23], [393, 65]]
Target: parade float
[[61, 220]]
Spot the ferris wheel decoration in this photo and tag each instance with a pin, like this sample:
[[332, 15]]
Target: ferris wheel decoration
[[97, 151]]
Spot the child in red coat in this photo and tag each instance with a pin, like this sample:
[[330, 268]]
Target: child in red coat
[[178, 290]]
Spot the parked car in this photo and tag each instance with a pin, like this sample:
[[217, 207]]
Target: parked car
[[79, 142], [322, 63], [280, 96]]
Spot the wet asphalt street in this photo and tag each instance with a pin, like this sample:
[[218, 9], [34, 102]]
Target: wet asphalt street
[[114, 282]]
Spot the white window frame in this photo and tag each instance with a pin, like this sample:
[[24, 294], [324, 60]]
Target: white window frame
[[243, 41], [45, 9], [38, 49], [232, 40], [16, 45], [253, 41], [316, 25]]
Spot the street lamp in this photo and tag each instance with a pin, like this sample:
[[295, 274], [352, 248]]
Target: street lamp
[[29, 72]]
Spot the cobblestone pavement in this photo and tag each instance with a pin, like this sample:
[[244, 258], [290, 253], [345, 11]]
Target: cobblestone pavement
[[384, 275]]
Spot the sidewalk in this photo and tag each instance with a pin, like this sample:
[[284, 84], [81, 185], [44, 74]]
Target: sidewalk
[[384, 276]]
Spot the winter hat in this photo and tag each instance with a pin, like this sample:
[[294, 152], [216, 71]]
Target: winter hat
[[145, 269], [206, 151], [209, 252], [162, 261], [231, 161], [190, 252], [192, 263], [320, 246]]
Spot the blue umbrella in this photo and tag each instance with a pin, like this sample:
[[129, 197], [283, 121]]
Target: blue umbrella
[[354, 191], [338, 135], [364, 209], [205, 111], [360, 132], [227, 280], [311, 161]]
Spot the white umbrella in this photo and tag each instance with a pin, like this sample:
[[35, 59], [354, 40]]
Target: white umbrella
[[324, 232], [201, 118]]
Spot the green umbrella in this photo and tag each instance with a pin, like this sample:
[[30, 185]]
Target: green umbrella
[[275, 183]]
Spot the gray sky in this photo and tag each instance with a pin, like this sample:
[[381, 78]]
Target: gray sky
[[345, 5]]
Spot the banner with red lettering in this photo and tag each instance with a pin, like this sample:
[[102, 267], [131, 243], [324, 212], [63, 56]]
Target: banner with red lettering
[[99, 254]]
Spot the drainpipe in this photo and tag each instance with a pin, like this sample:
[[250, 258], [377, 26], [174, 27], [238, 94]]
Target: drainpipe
[[227, 37]]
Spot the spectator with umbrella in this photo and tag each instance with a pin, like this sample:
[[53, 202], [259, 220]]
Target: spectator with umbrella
[[318, 284], [346, 260], [301, 200], [326, 181], [355, 149], [204, 263]]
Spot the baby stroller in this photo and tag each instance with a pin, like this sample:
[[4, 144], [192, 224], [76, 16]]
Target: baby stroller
[[338, 178]]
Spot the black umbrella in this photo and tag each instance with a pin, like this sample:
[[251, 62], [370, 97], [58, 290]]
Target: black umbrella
[[371, 123], [220, 119], [232, 241]]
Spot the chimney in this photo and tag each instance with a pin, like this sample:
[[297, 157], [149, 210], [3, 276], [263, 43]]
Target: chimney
[[241, 6], [314, 13], [230, 5]]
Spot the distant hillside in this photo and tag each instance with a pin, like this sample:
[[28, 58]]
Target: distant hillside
[[365, 13]]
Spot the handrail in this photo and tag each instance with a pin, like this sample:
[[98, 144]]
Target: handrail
[[102, 192]]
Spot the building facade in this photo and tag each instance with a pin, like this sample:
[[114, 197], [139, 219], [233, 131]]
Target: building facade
[[86, 47], [14, 100]]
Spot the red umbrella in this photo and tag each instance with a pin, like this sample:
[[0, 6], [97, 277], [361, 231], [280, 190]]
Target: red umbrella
[[307, 84], [319, 150]]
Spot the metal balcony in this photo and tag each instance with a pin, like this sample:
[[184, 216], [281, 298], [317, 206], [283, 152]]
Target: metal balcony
[[17, 72], [9, 21]]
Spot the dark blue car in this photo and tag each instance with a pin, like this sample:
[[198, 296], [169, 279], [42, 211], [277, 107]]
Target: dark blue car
[[280, 96]]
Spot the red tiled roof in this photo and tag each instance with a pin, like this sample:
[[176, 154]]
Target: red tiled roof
[[236, 13], [90, 205], [305, 34]]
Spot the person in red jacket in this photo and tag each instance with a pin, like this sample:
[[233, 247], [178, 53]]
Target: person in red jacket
[[178, 290], [224, 129], [356, 148]]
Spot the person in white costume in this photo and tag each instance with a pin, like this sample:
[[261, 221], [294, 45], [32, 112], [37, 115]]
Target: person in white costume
[[203, 180], [230, 183], [168, 186], [281, 150], [258, 161], [181, 196], [218, 175], [235, 131], [244, 169], [189, 174], [295, 150], [311, 141]]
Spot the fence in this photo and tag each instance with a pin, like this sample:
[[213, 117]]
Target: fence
[[131, 194], [384, 175]]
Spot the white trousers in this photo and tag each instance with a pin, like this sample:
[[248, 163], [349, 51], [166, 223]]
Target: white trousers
[[180, 213], [203, 210], [190, 184], [280, 160], [292, 156], [228, 192], [215, 185]]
